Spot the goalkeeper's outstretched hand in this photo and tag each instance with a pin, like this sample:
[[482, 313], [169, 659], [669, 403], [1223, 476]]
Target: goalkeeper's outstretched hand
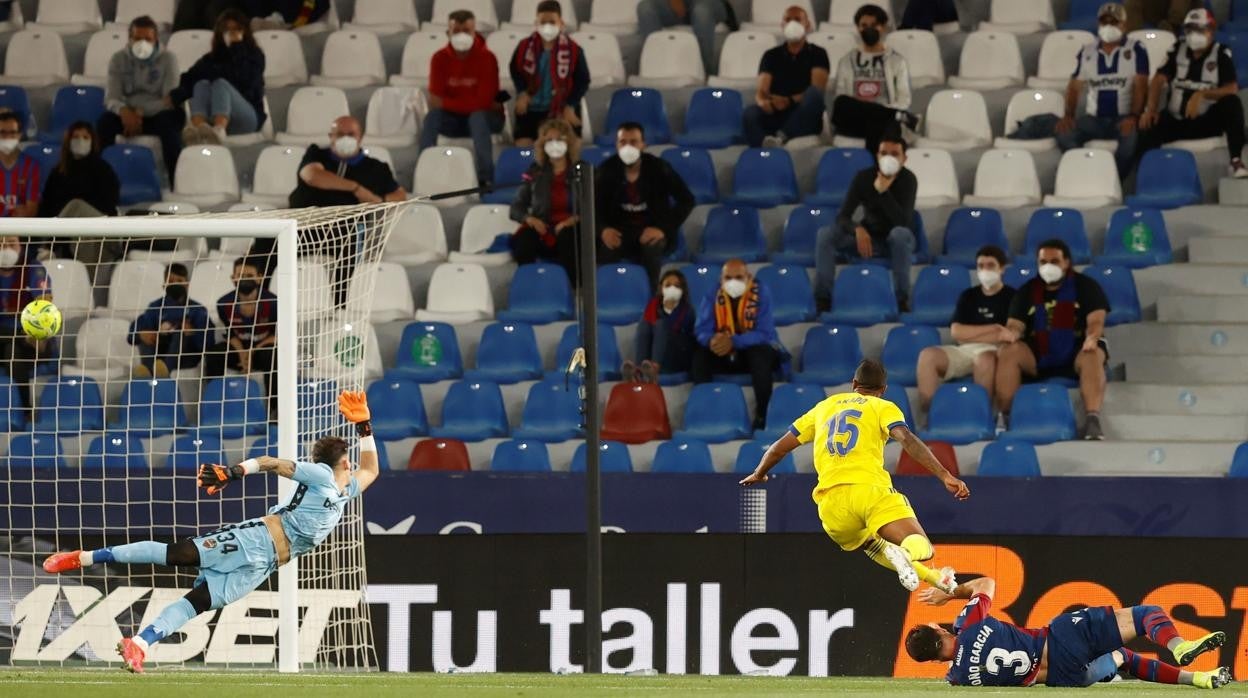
[[354, 406], [213, 478]]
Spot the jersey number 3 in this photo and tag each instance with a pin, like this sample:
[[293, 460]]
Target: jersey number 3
[[839, 426], [999, 659]]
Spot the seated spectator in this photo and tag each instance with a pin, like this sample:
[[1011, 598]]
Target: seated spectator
[[22, 281], [1057, 323], [225, 86], [20, 179], [792, 77], [640, 204], [170, 335], [665, 341], [463, 94], [284, 14], [249, 313], [545, 205], [872, 83], [886, 194], [926, 15], [342, 175], [81, 185], [550, 73], [702, 15], [735, 332], [138, 96], [1116, 74], [1204, 99], [978, 329], [1163, 14]]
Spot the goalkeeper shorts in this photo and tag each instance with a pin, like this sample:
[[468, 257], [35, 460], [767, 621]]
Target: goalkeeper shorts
[[235, 559]]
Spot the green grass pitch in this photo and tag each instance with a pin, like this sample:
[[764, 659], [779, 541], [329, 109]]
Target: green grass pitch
[[172, 683]]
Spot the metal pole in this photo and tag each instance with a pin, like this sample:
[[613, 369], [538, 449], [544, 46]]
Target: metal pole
[[593, 482], [287, 285]]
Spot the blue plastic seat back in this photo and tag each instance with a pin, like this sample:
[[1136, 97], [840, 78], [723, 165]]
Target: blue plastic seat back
[[683, 456], [38, 450], [830, 355], [1167, 178], [539, 293], [608, 350], [508, 174], [508, 353], [1239, 462], [732, 232], [751, 454], [792, 297], [695, 167], [552, 412], [151, 405], [1136, 238], [520, 456], [1065, 224], [70, 404], [788, 402], [715, 413], [13, 416], [623, 291], [1018, 273], [702, 279], [968, 230], [135, 167], [613, 457], [398, 409], [14, 98], [936, 294], [1042, 414], [472, 411], [713, 119], [266, 445], [801, 232], [837, 169], [897, 395], [901, 351], [1119, 286], [764, 177], [642, 105], [233, 405], [46, 154], [73, 103], [598, 154], [1009, 458], [189, 451], [428, 352], [1081, 15], [961, 413], [114, 450], [863, 295]]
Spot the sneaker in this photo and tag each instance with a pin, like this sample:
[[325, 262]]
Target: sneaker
[[219, 132], [1187, 651], [63, 562], [901, 562], [1092, 429], [132, 655], [650, 372], [1003, 423], [948, 580], [628, 371], [1238, 170], [208, 135], [776, 141], [1212, 679]]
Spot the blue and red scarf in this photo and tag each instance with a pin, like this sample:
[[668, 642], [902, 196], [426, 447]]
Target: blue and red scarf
[[562, 62], [1053, 330]]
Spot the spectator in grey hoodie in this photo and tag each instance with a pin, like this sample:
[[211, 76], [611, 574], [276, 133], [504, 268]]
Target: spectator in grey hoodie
[[140, 78]]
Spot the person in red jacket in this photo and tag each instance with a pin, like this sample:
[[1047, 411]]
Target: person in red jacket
[[463, 94]]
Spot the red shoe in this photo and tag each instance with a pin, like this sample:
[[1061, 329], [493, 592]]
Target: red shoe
[[131, 655], [63, 562]]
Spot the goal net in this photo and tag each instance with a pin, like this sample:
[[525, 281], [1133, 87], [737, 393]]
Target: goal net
[[154, 373]]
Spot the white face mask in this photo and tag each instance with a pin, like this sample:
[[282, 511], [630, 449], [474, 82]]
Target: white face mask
[[735, 288], [1109, 33], [794, 31], [988, 278], [555, 149], [1197, 41], [8, 257], [80, 147], [462, 41], [231, 38], [8, 145], [1051, 273], [889, 165], [629, 154], [142, 50], [672, 294], [346, 146], [549, 32]]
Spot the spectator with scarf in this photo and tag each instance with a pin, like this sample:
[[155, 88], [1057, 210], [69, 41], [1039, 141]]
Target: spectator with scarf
[[736, 332], [22, 281], [665, 341], [1057, 322], [545, 206], [550, 73]]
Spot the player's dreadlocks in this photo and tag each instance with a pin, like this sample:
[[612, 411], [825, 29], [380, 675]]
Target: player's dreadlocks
[[923, 643]]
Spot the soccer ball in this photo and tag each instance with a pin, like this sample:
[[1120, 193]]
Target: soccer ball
[[41, 319]]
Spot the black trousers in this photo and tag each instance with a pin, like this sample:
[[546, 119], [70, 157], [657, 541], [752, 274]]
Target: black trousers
[[527, 248], [858, 119], [1225, 116], [20, 359], [631, 250], [165, 125], [759, 361]]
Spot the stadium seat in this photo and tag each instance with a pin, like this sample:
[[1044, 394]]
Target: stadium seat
[[417, 236], [384, 17], [135, 167], [276, 175], [206, 176], [829, 355], [133, 286], [731, 233], [284, 63], [801, 231], [836, 170], [508, 175], [641, 105], [458, 294], [70, 404], [596, 154], [669, 59], [836, 41], [102, 349], [161, 12], [751, 454], [13, 414], [472, 411], [68, 16], [1166, 178], [1057, 56], [683, 456], [100, 49], [702, 279], [739, 58], [715, 413], [602, 57], [956, 120], [922, 53], [936, 294], [187, 45], [233, 406], [636, 413], [612, 17], [623, 291], [961, 413], [485, 236], [507, 353], [150, 407], [792, 298], [35, 58], [74, 294], [695, 167], [552, 413], [901, 351], [1119, 286], [428, 352], [968, 230], [1081, 14], [1019, 18], [1018, 273], [191, 449], [46, 155], [315, 291], [897, 395], [938, 181], [483, 10], [445, 168], [608, 351], [347, 350], [393, 116], [1065, 224], [1157, 43], [1008, 458], [1136, 238], [73, 103], [713, 119], [613, 457], [1005, 179], [15, 99], [448, 455], [862, 295], [306, 116], [1041, 414], [788, 402], [1086, 179], [990, 60], [1239, 462], [417, 53], [520, 456], [841, 12], [944, 454], [115, 450], [42, 451], [763, 177], [1025, 104], [398, 409], [540, 293]]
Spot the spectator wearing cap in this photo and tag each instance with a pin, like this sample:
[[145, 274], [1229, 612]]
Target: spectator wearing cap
[[872, 83], [550, 73], [1163, 14], [792, 77]]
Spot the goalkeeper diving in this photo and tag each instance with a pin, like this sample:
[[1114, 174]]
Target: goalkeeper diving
[[233, 560]]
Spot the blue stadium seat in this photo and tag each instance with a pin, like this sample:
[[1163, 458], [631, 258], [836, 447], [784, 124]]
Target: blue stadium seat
[[73, 103], [608, 352], [428, 353], [13, 414], [830, 355], [266, 445], [836, 170], [1239, 462], [801, 232], [233, 406], [679, 253], [552, 412], [1065, 224], [862, 295], [683, 456], [1081, 15], [398, 409], [508, 175], [613, 457], [1019, 273], [623, 291], [188, 451], [46, 154], [519, 456], [1238, 23], [642, 105], [792, 297], [115, 449], [897, 395], [1008, 458], [70, 404], [317, 403], [703, 279], [1167, 178], [472, 411], [751, 452], [1041, 414], [1136, 238], [696, 168], [135, 167], [788, 402], [961, 413], [713, 119], [15, 99], [901, 351], [38, 450], [597, 154], [1119, 286], [150, 406], [970, 229], [538, 294], [936, 294], [763, 177], [732, 232], [715, 413], [508, 353]]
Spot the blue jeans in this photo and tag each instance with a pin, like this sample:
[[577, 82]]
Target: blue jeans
[[1090, 128], [805, 118], [219, 98], [479, 126], [702, 15], [835, 239]]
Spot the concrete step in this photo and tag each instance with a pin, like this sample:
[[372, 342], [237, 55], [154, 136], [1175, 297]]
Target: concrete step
[[1218, 250], [1194, 370], [1158, 339], [1174, 427], [1190, 308], [1195, 279], [1174, 399], [1232, 192], [1137, 458]]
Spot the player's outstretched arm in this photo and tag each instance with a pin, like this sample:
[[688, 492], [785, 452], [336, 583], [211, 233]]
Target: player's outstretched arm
[[935, 597], [213, 478], [775, 453], [923, 455], [354, 406]]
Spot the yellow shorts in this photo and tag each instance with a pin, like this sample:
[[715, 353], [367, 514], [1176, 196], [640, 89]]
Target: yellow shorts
[[851, 514]]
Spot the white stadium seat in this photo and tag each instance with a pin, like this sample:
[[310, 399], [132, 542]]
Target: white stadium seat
[[100, 49], [133, 286], [205, 176], [185, 250], [938, 181], [442, 169], [989, 61], [458, 294], [1027, 103], [483, 10], [767, 15], [394, 116], [71, 287], [841, 13], [233, 248], [416, 237], [392, 298], [68, 16], [351, 59], [618, 17], [1157, 42], [102, 349], [264, 135], [837, 43], [417, 52], [161, 12], [1057, 58], [276, 174], [481, 225], [35, 58], [738, 62], [378, 152], [956, 120], [1019, 17], [384, 17], [284, 62], [524, 14], [1005, 179], [331, 21], [670, 59], [502, 44], [922, 54], [212, 279], [338, 352], [314, 288], [171, 208], [1086, 179], [188, 45], [311, 113], [602, 57]]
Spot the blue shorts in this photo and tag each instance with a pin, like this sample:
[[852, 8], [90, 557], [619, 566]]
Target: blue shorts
[[235, 559], [1078, 639]]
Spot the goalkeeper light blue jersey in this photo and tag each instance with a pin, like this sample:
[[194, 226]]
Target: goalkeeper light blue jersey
[[314, 508]]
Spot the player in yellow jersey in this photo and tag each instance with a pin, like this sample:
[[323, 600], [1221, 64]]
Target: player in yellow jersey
[[857, 503]]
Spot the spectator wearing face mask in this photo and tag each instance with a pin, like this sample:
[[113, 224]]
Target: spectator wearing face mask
[[20, 179], [665, 341], [171, 334], [550, 73], [343, 174], [82, 184], [138, 96], [545, 204], [872, 83], [792, 77], [249, 313], [225, 86], [22, 281]]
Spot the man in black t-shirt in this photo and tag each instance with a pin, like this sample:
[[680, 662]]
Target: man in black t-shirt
[[342, 174], [978, 328], [1057, 327], [792, 78]]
